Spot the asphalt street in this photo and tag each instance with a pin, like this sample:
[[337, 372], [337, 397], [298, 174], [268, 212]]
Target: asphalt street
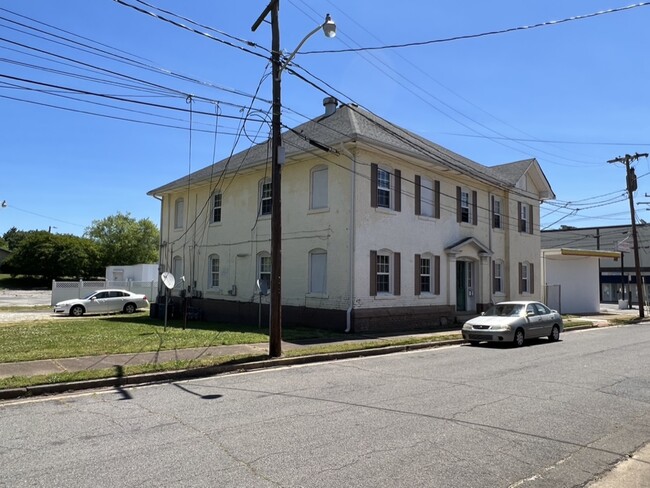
[[545, 415]]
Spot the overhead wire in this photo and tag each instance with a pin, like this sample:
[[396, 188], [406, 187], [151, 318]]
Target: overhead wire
[[482, 34]]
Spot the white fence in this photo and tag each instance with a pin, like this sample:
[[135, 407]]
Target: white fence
[[65, 290]]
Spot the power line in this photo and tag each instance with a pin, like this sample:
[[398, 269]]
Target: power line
[[483, 34]]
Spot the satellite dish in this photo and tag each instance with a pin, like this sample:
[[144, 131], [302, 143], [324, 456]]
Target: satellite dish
[[168, 279], [262, 287]]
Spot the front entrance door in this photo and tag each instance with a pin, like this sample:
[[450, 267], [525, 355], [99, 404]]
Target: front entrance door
[[461, 286]]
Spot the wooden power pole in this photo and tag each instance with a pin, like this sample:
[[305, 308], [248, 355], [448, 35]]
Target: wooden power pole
[[631, 186]]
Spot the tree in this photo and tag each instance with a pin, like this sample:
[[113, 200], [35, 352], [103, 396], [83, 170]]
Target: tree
[[13, 237], [123, 240], [52, 256]]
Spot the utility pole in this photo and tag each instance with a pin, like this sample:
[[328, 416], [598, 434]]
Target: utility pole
[[275, 329], [630, 178]]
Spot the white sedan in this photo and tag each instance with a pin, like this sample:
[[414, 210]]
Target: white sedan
[[103, 301]]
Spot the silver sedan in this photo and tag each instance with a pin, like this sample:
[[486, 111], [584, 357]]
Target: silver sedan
[[514, 322], [103, 301]]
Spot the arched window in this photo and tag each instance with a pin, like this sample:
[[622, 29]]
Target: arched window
[[213, 271], [264, 268], [318, 271], [177, 270], [319, 188], [179, 213]]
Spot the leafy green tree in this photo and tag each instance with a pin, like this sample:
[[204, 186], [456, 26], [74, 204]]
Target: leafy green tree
[[123, 240], [52, 256], [13, 237], [3, 244]]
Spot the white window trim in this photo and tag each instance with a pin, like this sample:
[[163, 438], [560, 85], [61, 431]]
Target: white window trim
[[313, 171], [429, 257], [258, 273], [310, 292], [500, 263], [428, 204], [261, 199], [525, 217], [525, 277], [497, 203], [179, 216], [214, 195], [390, 189], [465, 191], [391, 271], [211, 259]]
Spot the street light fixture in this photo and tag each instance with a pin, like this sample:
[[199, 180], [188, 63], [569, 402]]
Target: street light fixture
[[277, 158]]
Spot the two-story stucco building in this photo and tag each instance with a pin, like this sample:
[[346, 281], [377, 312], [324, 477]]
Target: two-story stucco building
[[381, 228]]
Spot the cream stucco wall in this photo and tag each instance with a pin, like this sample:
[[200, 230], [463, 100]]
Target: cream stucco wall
[[242, 235]]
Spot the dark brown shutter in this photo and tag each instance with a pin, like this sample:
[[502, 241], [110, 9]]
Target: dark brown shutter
[[521, 281], [492, 214], [530, 218], [416, 274], [373, 185], [474, 208], [531, 278], [397, 264], [418, 195], [436, 280], [373, 273], [436, 199], [459, 217], [398, 190], [519, 224]]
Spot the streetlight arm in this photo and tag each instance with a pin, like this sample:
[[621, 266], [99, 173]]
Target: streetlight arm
[[329, 28]]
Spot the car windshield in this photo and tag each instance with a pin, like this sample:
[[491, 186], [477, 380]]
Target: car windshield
[[505, 310], [87, 297]]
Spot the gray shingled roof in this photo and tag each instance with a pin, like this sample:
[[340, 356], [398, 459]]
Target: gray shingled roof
[[350, 123]]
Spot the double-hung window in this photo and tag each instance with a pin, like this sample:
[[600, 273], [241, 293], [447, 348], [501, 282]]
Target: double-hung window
[[383, 188], [216, 207], [264, 269], [497, 276], [386, 188], [266, 201], [496, 213], [213, 279]]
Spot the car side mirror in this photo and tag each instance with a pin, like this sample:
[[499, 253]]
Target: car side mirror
[[482, 313], [530, 314]]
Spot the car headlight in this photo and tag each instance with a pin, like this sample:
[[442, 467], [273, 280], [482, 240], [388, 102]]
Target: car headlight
[[501, 327]]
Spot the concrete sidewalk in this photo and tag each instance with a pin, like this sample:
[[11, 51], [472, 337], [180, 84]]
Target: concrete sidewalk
[[108, 361]]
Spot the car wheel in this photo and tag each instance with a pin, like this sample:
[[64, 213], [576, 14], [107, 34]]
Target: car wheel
[[519, 338], [77, 311], [555, 334], [129, 308]]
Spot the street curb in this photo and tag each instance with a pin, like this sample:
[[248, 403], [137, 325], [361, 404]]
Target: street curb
[[185, 374]]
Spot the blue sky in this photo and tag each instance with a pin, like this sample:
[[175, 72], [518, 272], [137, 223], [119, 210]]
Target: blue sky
[[573, 95]]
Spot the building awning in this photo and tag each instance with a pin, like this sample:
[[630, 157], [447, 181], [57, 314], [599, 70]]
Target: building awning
[[587, 253]]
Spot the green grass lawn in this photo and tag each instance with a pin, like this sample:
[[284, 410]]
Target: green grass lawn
[[88, 336]]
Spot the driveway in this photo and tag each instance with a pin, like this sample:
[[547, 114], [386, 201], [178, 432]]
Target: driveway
[[24, 298]]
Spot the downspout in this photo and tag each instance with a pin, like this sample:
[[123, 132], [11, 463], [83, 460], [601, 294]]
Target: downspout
[[160, 243], [490, 230], [353, 190]]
